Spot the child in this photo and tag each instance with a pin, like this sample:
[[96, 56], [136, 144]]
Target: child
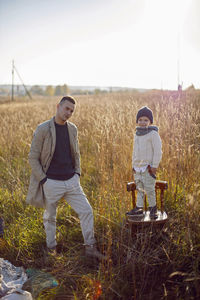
[[147, 153]]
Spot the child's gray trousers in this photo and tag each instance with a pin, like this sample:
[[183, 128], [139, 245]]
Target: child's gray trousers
[[145, 183]]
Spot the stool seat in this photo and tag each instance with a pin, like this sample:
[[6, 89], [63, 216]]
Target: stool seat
[[144, 219]]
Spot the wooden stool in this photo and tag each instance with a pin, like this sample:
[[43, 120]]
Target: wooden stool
[[145, 220]]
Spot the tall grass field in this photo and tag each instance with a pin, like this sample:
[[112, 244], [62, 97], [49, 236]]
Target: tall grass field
[[161, 265]]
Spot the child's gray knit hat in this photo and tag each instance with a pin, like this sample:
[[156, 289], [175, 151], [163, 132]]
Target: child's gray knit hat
[[145, 112]]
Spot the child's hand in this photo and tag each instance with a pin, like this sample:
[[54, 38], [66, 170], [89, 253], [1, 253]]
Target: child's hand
[[153, 170]]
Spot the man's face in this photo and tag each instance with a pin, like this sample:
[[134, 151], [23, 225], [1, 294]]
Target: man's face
[[64, 111], [143, 122]]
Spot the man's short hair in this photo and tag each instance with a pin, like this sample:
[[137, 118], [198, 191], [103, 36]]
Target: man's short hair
[[68, 98]]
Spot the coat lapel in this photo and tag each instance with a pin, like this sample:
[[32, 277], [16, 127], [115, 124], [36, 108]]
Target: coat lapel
[[53, 134], [71, 140]]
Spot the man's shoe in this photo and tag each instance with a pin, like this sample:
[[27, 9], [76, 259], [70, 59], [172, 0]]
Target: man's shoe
[[135, 212], [153, 212], [91, 251]]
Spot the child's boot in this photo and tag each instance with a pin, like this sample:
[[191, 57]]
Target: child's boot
[[153, 212], [135, 211]]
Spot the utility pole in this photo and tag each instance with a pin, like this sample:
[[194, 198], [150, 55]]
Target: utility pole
[[12, 80], [27, 92], [14, 69]]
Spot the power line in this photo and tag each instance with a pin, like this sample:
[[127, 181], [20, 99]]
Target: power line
[[26, 90]]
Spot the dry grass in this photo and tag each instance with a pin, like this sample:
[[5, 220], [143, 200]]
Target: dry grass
[[145, 268]]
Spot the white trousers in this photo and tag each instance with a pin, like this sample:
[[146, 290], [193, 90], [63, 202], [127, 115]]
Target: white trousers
[[73, 193], [145, 183]]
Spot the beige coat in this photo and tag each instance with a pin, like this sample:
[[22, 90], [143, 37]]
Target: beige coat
[[41, 154]]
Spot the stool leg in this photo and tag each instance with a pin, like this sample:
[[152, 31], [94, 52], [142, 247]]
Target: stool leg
[[162, 199], [145, 203], [133, 199]]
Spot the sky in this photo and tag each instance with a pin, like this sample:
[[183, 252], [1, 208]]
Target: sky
[[129, 43]]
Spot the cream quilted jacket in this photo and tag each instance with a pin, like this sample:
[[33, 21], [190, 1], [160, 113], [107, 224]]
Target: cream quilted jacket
[[147, 150]]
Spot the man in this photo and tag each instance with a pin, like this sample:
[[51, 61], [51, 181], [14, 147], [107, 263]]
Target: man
[[55, 162]]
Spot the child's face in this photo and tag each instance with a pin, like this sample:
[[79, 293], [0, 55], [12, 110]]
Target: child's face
[[143, 122]]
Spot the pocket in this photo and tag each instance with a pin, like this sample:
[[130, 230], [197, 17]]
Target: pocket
[[136, 177], [150, 179], [77, 177], [75, 181], [45, 182], [45, 186]]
